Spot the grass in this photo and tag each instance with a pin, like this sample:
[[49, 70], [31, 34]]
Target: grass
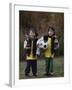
[[58, 69]]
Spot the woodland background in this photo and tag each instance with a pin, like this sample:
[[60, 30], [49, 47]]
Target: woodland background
[[41, 20]]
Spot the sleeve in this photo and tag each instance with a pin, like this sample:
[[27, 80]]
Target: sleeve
[[25, 44], [56, 42]]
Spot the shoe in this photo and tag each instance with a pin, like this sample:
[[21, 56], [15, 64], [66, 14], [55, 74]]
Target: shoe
[[27, 75], [34, 75], [46, 74], [51, 73]]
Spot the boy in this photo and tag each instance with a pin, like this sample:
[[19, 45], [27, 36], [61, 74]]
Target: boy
[[30, 46], [49, 52], [47, 44]]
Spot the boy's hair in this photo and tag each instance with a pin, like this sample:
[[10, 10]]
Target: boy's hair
[[33, 29]]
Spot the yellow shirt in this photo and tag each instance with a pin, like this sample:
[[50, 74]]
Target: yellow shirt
[[47, 53], [31, 57]]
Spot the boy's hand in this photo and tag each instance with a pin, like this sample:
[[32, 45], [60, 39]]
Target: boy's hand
[[28, 47], [55, 41]]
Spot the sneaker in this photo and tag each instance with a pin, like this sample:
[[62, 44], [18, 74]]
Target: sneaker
[[27, 75], [51, 73], [34, 75], [46, 74]]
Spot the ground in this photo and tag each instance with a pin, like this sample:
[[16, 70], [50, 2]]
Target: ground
[[58, 69]]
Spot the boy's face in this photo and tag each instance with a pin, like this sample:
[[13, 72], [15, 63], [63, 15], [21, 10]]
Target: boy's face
[[50, 33], [31, 34]]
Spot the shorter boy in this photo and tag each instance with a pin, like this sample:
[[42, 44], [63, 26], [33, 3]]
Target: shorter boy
[[30, 46]]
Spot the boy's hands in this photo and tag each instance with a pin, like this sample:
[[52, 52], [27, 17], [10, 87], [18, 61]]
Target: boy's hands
[[28, 47]]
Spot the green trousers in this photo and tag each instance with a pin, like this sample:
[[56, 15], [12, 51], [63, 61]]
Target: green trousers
[[49, 65]]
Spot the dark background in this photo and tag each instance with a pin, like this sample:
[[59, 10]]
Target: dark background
[[41, 20]]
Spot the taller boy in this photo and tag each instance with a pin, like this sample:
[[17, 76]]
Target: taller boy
[[53, 44]]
